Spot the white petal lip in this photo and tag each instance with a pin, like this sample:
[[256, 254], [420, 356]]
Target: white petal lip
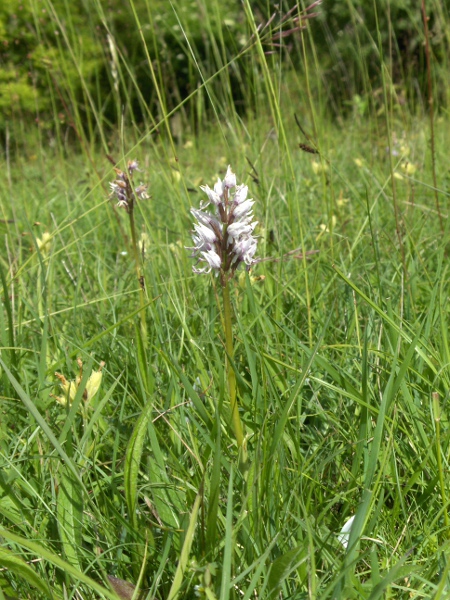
[[141, 192], [245, 250], [205, 218], [237, 229], [205, 233], [240, 194], [243, 209], [197, 271], [213, 196], [133, 165], [218, 188], [213, 259]]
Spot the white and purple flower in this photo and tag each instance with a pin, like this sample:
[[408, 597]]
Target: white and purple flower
[[122, 189], [223, 238]]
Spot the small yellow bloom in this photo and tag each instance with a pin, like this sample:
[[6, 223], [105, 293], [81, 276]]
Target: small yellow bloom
[[398, 176], [144, 244], [325, 229], [341, 201], [176, 247], [44, 244], [358, 162], [93, 384], [319, 167], [242, 40], [70, 388], [188, 145], [408, 168], [253, 279], [404, 150]]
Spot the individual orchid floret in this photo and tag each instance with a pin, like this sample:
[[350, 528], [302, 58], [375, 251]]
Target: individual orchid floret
[[132, 166], [213, 196], [230, 179], [223, 238], [141, 192]]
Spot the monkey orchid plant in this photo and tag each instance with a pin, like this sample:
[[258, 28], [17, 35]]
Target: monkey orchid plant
[[223, 239]]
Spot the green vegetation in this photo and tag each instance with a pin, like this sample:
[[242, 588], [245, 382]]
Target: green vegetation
[[120, 472]]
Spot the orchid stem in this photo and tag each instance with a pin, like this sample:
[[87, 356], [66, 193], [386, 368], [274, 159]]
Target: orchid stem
[[231, 376], [140, 276]]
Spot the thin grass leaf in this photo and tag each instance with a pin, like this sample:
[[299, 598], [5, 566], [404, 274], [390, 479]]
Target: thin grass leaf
[[10, 328], [185, 551], [424, 351], [98, 412], [396, 572], [40, 551], [281, 423], [214, 491], [229, 542], [13, 563]]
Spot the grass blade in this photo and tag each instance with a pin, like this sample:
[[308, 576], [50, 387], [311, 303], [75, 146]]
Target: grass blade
[[185, 551]]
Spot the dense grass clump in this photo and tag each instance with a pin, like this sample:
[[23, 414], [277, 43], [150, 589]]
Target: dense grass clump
[[122, 475]]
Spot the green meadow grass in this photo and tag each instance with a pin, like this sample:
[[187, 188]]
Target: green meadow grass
[[341, 355]]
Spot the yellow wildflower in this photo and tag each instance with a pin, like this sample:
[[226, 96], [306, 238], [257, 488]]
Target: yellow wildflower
[[341, 201], [44, 244], [144, 243], [325, 229], [70, 388], [408, 168], [252, 278], [319, 167]]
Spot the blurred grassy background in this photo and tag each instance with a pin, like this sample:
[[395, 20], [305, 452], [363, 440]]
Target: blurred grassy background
[[91, 65]]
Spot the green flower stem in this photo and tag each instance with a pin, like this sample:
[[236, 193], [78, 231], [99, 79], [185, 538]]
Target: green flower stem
[[140, 275], [235, 417]]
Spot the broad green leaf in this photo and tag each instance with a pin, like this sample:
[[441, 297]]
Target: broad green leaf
[[133, 460], [282, 567], [70, 516]]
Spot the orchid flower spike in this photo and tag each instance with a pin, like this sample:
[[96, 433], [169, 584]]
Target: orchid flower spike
[[123, 190], [223, 238]]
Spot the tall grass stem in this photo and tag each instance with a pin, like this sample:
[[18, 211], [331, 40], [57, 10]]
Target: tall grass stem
[[431, 112]]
